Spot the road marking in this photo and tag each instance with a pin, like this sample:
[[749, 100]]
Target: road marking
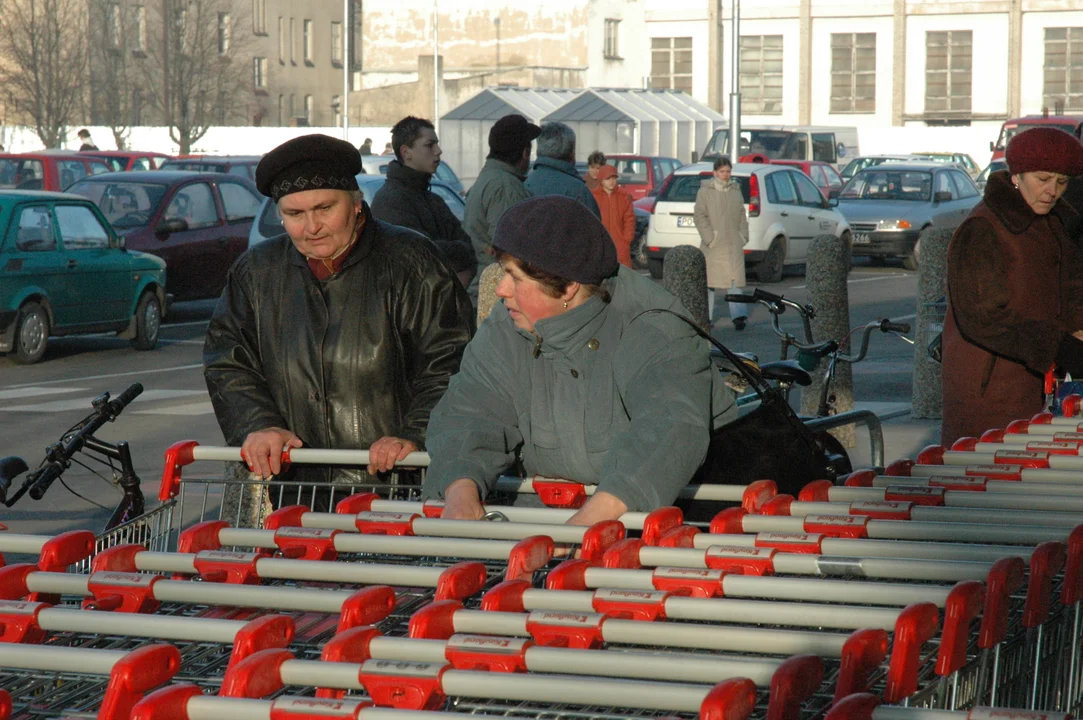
[[175, 368], [199, 408], [81, 403], [874, 278], [34, 391]]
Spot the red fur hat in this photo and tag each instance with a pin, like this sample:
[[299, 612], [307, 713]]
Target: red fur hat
[[1045, 149]]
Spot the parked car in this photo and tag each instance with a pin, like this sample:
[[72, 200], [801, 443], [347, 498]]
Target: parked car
[[640, 174], [823, 175], [865, 161], [834, 144], [243, 165], [785, 211], [66, 272], [269, 223], [1071, 124], [48, 170], [126, 160], [889, 207], [991, 168], [964, 161], [197, 222]]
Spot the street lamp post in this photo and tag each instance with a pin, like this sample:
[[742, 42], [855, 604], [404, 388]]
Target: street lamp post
[[345, 104], [735, 83], [496, 22]]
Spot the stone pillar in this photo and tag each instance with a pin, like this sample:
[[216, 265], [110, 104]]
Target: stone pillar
[[825, 277], [684, 273], [928, 398], [716, 98]]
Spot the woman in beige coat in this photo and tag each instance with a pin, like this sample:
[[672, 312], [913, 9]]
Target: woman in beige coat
[[723, 230]]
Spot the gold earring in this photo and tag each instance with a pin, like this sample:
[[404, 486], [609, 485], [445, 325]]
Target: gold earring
[[565, 304]]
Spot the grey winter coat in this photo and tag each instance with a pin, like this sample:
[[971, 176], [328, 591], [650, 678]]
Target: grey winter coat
[[498, 187], [723, 230], [558, 177], [600, 395]]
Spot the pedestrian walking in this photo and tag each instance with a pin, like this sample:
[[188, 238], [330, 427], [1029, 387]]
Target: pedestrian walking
[[389, 149], [723, 231], [88, 143], [343, 333], [366, 147], [618, 216], [595, 161], [554, 170]]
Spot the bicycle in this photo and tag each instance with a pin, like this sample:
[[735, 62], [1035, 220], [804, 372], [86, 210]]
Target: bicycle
[[80, 438]]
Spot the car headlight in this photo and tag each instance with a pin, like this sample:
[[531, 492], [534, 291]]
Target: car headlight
[[894, 225]]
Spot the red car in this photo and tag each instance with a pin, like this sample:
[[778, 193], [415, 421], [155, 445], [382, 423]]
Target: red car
[[640, 175], [126, 160], [823, 175], [197, 222], [49, 170]]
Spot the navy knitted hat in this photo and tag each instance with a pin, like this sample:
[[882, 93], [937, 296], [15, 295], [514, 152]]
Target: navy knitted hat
[[559, 236]]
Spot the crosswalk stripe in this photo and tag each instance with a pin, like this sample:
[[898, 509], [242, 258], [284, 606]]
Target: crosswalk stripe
[[199, 408], [84, 403], [25, 392]]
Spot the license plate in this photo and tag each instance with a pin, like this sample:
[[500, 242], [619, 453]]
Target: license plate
[[861, 239], [686, 221]]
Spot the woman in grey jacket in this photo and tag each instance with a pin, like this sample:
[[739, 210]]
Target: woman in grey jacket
[[575, 376], [723, 230]]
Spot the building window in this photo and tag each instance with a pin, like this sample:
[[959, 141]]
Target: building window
[[180, 27], [293, 44], [137, 107], [112, 25], [948, 60], [139, 42], [281, 109], [671, 63], [612, 39], [853, 72], [259, 17], [259, 72], [761, 74], [282, 40], [336, 110], [308, 109], [1063, 69], [308, 42], [336, 44], [225, 30], [292, 106]]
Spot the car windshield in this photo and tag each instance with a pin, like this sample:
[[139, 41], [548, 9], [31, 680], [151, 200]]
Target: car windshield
[[1009, 132], [270, 221], [775, 144], [882, 184], [683, 188], [125, 205]]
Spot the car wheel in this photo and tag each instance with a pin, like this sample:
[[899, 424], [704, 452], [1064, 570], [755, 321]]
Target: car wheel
[[31, 334], [770, 268], [655, 266], [911, 261], [148, 322]]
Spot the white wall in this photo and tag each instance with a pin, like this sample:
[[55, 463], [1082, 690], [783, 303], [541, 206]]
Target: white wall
[[633, 45], [822, 30], [1033, 55], [989, 78], [683, 18]]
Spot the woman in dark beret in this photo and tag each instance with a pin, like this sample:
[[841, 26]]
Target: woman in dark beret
[[341, 334], [1015, 290], [573, 375]]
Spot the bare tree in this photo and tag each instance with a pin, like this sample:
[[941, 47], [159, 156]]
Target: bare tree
[[44, 53], [117, 42], [199, 75]]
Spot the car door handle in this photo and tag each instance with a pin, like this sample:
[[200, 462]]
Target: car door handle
[[71, 264], [784, 214], [811, 217]]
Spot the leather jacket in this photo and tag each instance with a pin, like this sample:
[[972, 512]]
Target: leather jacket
[[341, 362]]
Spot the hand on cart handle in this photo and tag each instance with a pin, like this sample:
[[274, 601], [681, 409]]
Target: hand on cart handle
[[262, 450], [385, 452], [462, 501]]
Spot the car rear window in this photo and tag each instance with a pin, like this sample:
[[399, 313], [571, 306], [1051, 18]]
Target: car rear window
[[22, 174], [631, 171], [683, 188]]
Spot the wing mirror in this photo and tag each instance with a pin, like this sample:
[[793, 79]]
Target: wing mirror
[[941, 196], [171, 225]]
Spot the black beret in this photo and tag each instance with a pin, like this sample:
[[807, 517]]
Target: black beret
[[1044, 149], [511, 134], [559, 236], [309, 162]]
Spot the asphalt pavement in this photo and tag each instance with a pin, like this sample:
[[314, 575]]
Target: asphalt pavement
[[39, 402]]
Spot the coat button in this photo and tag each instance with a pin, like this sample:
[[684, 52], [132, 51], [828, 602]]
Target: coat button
[[575, 373], [593, 344], [315, 397]]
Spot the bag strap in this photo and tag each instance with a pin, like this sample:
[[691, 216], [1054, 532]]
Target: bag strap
[[752, 376]]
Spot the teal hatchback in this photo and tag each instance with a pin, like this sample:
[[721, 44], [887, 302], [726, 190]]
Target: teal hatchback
[[63, 271]]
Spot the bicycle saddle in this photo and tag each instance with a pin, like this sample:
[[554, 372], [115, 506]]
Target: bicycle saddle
[[10, 468], [785, 371]]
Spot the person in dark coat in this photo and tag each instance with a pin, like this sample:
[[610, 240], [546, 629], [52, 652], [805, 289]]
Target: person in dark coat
[[366, 147], [554, 171], [405, 199], [341, 334], [1015, 290]]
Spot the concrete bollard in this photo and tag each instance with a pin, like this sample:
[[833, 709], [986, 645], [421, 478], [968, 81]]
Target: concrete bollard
[[927, 399], [490, 278], [825, 278], [684, 273]]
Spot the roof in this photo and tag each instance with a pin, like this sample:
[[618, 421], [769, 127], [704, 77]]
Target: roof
[[217, 159], [158, 177], [39, 195], [908, 166], [631, 105], [124, 153], [495, 102]]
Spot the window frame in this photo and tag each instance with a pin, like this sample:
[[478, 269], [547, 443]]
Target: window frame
[[801, 179], [139, 14], [1071, 73], [951, 103], [214, 203], [113, 31], [753, 75], [771, 181], [259, 17], [259, 72], [307, 41], [225, 209], [671, 79], [611, 39], [336, 43], [857, 49], [17, 225], [60, 233], [225, 33]]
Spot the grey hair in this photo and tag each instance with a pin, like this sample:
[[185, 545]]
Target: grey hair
[[556, 140]]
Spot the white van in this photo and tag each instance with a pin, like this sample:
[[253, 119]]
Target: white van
[[831, 144], [785, 212]]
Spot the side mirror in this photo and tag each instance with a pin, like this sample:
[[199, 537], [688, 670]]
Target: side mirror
[[833, 201], [171, 225], [992, 146], [833, 193], [941, 196]]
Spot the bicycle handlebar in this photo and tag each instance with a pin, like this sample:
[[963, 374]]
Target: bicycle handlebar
[[884, 326], [888, 326]]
